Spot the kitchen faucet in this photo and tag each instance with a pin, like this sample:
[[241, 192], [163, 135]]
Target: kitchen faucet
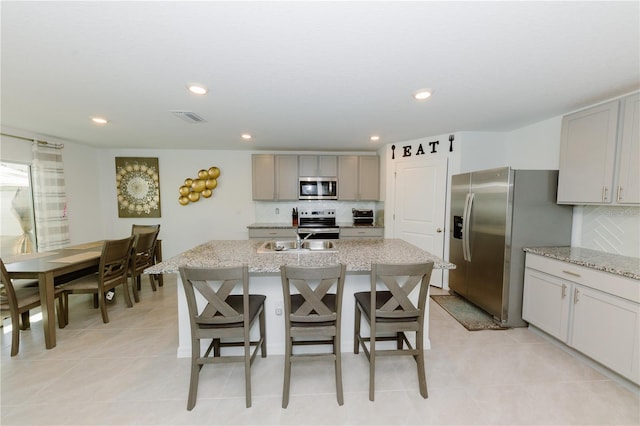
[[299, 240]]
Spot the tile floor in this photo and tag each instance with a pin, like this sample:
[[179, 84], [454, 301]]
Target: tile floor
[[126, 372]]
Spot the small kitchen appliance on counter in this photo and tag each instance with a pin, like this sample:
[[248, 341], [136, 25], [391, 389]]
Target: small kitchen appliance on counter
[[362, 217], [321, 224]]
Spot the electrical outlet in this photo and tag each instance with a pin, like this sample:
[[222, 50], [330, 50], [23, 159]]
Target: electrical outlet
[[279, 308], [277, 210]]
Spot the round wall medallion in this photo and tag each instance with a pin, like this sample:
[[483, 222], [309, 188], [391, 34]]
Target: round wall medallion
[[138, 189]]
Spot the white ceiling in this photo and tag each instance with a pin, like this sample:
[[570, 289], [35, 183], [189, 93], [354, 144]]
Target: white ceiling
[[306, 75]]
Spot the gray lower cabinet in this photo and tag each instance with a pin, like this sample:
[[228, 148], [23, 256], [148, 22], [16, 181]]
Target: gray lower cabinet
[[272, 233], [594, 312], [360, 233]]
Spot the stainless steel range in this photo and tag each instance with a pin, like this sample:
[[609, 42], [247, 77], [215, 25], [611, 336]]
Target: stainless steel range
[[318, 224]]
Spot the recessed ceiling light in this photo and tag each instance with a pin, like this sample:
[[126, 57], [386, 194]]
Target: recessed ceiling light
[[197, 90], [375, 138], [422, 94], [246, 136], [99, 120]]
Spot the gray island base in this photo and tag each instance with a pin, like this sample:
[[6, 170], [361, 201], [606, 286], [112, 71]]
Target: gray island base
[[264, 272]]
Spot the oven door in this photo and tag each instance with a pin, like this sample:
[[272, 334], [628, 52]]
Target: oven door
[[319, 233]]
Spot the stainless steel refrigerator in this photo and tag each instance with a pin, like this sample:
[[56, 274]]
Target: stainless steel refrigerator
[[495, 213]]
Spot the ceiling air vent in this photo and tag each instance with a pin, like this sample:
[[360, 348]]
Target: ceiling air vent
[[188, 116]]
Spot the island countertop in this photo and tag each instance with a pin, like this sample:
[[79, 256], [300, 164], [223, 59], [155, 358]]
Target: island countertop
[[357, 255]]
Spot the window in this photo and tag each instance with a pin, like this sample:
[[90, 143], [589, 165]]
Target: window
[[17, 224]]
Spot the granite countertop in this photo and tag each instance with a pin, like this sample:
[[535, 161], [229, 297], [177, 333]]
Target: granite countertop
[[262, 225], [357, 255], [352, 225], [613, 263]]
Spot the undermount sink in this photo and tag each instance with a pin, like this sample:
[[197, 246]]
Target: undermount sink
[[289, 246]]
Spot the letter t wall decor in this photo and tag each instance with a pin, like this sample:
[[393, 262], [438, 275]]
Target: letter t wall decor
[[138, 187]]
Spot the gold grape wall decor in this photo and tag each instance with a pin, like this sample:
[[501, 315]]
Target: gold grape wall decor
[[202, 186], [138, 187]]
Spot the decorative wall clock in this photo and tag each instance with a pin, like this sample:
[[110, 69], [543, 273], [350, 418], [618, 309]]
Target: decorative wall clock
[[138, 187]]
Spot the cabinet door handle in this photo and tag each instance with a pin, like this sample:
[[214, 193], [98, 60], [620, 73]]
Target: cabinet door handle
[[564, 291], [619, 197], [605, 190], [571, 273], [575, 296]]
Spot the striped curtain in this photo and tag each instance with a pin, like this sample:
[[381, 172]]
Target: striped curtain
[[49, 198]]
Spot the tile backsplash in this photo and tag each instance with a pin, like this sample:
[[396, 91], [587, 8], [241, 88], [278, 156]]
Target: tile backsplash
[[266, 210], [612, 229]]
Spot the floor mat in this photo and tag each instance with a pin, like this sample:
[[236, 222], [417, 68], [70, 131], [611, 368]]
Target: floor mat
[[470, 316]]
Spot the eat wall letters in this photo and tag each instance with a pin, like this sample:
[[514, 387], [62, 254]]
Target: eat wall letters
[[406, 150]]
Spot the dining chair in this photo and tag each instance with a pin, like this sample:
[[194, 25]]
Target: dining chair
[[112, 272], [157, 249], [391, 314], [141, 259], [16, 301], [312, 308], [223, 317]]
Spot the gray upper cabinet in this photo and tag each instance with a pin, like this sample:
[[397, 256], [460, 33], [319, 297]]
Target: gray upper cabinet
[[286, 177], [263, 178], [358, 177], [348, 177], [318, 165], [275, 177], [628, 191], [587, 154], [599, 158]]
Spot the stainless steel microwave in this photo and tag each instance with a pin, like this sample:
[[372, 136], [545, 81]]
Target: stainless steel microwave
[[318, 188]]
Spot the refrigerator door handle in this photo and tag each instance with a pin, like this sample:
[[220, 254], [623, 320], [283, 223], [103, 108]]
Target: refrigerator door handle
[[466, 225]]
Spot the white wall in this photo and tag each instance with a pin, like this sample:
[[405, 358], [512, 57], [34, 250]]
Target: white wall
[[224, 216], [612, 229], [536, 146], [15, 150], [85, 200], [90, 180], [480, 150]]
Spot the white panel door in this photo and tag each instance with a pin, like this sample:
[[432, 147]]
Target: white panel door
[[419, 210]]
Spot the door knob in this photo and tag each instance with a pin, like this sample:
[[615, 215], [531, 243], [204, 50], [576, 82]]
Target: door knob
[[438, 230]]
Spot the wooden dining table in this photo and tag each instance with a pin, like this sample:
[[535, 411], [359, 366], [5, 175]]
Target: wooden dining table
[[49, 267]]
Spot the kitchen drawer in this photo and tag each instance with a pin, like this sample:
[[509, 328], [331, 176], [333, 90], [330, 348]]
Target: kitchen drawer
[[272, 233], [361, 232], [616, 285]]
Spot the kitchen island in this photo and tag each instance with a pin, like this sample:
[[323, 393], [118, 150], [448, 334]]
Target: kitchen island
[[264, 272]]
